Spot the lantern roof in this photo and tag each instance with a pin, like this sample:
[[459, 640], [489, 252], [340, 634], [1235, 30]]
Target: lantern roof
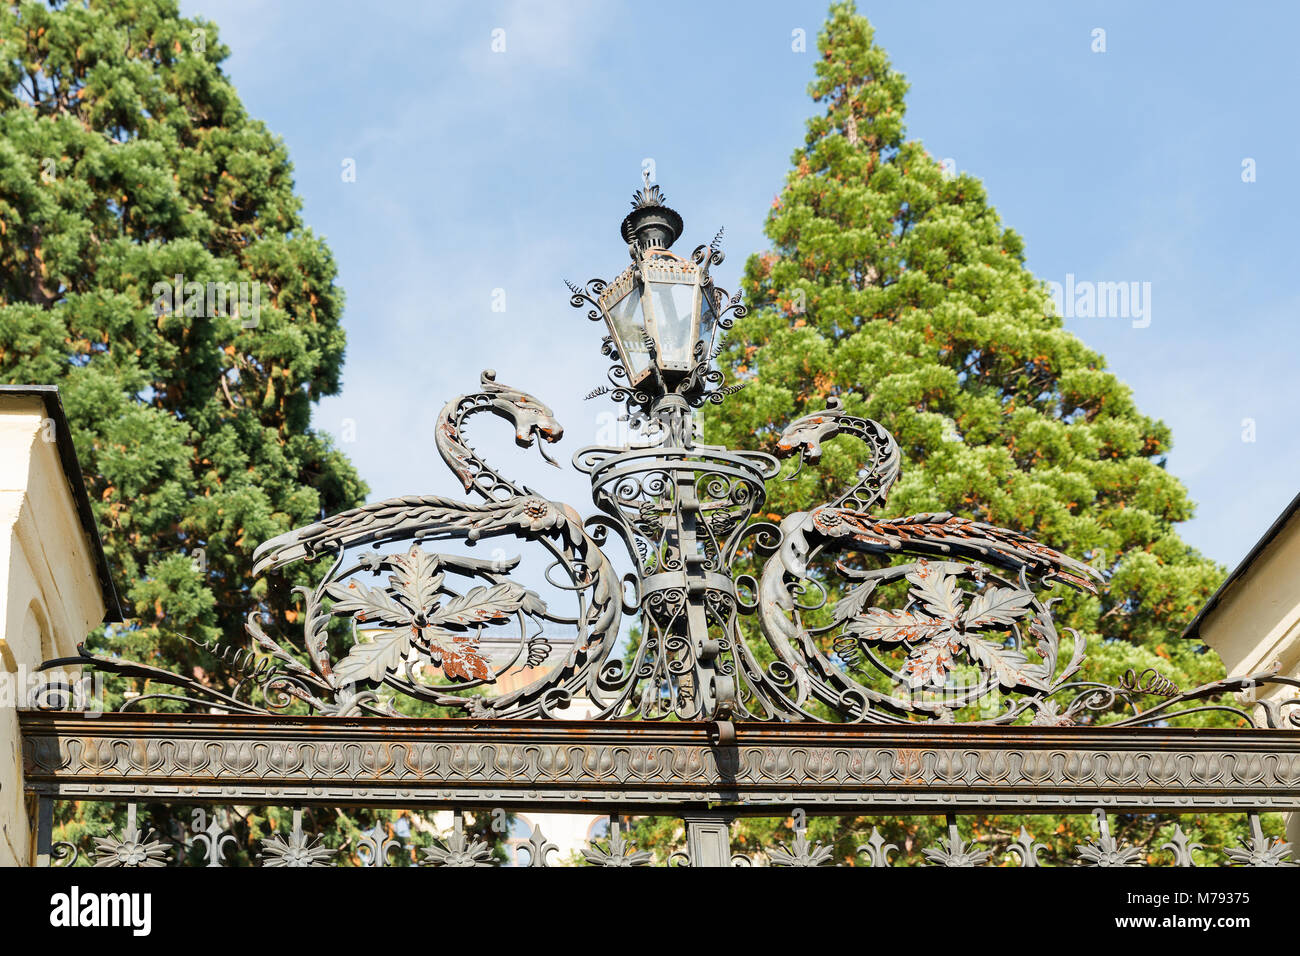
[[651, 223]]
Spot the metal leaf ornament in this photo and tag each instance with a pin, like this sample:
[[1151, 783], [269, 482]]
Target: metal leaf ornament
[[136, 847], [801, 852], [939, 629], [412, 613], [1106, 850], [1259, 850], [460, 849], [620, 852], [298, 849]]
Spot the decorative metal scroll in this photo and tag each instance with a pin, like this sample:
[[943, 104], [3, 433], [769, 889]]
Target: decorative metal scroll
[[933, 616], [683, 515]]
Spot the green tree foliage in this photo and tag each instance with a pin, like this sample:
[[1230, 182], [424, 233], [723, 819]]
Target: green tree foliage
[[126, 160], [897, 288]]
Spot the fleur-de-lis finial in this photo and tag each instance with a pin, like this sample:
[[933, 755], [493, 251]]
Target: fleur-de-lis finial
[[1182, 847], [1026, 848], [877, 849]]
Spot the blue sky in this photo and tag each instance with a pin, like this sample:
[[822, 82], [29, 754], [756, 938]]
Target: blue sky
[[479, 171]]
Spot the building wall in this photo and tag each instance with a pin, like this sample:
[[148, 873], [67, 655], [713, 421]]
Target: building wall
[[50, 596], [1256, 622]]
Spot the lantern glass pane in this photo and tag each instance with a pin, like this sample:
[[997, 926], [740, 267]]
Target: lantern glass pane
[[674, 316], [707, 319], [629, 327]]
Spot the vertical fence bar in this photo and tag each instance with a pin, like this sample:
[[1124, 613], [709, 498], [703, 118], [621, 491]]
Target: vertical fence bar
[[44, 829], [708, 838]]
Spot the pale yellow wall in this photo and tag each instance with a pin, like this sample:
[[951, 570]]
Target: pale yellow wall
[[1257, 623], [1257, 620], [50, 596]]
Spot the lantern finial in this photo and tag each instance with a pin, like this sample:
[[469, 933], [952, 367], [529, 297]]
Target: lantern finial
[[651, 224]]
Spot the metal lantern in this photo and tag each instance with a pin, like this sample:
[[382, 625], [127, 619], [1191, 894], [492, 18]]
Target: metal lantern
[[661, 307]]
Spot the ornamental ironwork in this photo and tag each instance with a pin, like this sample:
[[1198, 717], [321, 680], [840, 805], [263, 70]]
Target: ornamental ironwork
[[841, 613], [840, 660], [380, 847]]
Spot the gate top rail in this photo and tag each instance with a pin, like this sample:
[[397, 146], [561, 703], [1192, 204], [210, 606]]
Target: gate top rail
[[631, 766], [759, 733]]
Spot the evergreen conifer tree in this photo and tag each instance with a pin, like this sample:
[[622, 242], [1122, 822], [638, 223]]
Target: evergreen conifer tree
[[154, 265], [895, 286]]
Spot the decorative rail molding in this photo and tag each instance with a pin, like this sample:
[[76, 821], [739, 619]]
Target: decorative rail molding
[[627, 767]]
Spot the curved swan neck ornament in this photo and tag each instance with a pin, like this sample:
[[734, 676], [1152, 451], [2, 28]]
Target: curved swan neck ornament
[[531, 419], [805, 436], [941, 533]]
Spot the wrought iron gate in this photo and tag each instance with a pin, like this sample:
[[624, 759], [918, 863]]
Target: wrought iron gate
[[889, 664]]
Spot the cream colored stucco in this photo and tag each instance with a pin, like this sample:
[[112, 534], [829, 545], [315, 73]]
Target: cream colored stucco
[[50, 596], [1256, 622]]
